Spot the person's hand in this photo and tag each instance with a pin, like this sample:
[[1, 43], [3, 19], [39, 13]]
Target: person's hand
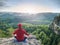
[[31, 36], [14, 36]]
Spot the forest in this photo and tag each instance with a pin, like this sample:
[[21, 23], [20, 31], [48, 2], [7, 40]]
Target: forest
[[41, 31]]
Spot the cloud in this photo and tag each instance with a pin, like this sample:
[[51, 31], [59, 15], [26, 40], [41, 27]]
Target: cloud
[[48, 3], [30, 9], [2, 3], [56, 2], [32, 5]]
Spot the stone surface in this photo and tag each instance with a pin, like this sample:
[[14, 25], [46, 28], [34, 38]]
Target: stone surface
[[10, 41], [55, 25]]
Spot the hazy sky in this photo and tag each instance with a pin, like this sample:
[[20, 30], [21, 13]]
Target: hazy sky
[[32, 6]]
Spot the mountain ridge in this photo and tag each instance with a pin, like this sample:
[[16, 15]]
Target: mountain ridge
[[38, 18]]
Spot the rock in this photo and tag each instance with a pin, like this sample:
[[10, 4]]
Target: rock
[[55, 25], [30, 41]]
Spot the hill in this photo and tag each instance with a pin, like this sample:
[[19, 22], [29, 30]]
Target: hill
[[40, 18]]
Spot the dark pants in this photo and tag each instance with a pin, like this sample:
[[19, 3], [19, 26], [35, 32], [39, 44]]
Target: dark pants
[[22, 40]]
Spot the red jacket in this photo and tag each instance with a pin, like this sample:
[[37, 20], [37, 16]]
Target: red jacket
[[20, 34]]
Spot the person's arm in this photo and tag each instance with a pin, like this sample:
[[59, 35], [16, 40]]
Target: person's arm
[[26, 33], [14, 33]]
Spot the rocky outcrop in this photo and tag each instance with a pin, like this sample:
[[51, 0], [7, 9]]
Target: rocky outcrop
[[10, 41], [55, 25]]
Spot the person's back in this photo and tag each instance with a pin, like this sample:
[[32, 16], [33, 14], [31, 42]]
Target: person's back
[[19, 32]]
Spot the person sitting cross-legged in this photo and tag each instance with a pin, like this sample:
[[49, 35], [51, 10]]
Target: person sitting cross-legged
[[19, 34]]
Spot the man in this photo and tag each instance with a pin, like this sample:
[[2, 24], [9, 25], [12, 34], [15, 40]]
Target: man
[[19, 33]]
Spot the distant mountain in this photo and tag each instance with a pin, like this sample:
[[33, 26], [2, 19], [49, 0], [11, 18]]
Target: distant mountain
[[40, 18]]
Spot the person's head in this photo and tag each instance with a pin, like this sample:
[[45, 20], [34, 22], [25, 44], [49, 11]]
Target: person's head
[[20, 25]]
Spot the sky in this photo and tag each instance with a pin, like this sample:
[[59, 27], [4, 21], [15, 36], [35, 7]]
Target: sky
[[32, 6]]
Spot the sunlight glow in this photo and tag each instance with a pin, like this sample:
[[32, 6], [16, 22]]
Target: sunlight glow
[[28, 9]]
